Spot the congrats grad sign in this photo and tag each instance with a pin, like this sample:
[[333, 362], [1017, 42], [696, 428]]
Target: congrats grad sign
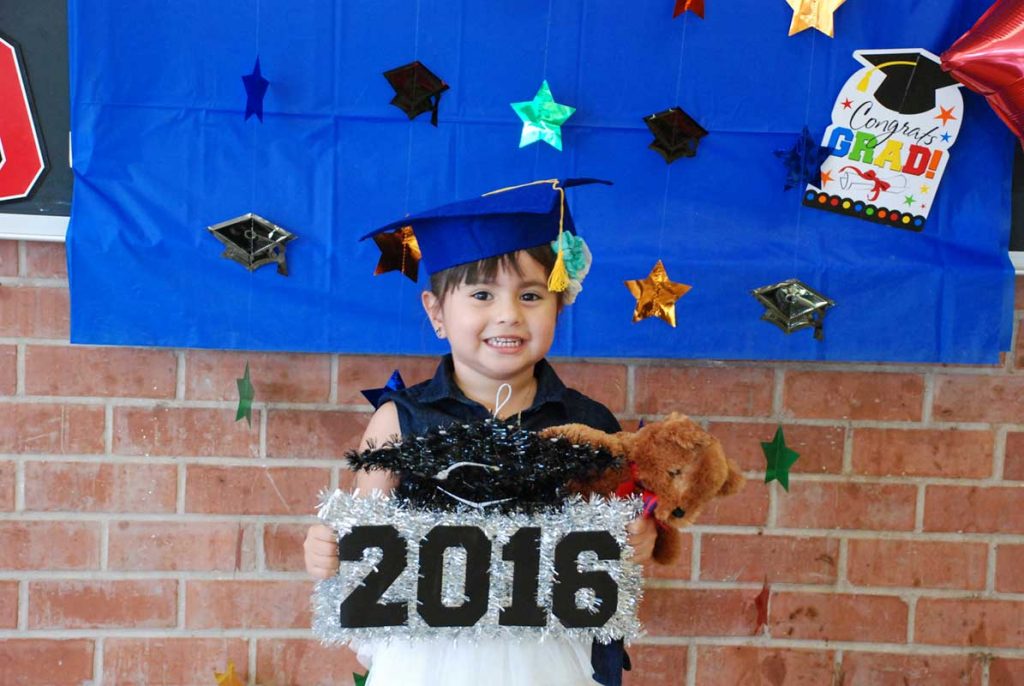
[[893, 124]]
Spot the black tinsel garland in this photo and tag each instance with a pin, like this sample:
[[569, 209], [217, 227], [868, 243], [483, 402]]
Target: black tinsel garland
[[512, 470]]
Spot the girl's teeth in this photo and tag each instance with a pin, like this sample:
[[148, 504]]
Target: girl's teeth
[[505, 342]]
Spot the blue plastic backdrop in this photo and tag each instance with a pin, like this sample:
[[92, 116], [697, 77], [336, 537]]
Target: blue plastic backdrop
[[161, 151]]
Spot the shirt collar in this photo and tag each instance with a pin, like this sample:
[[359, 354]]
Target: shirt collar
[[549, 387]]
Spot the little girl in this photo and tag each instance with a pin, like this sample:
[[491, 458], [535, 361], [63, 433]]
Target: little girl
[[491, 260]]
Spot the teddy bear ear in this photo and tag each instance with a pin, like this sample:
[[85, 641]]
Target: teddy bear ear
[[734, 481]]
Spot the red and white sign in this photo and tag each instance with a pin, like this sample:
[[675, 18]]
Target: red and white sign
[[21, 148]]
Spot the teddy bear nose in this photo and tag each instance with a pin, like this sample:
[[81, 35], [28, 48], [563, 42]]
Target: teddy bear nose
[[679, 512]]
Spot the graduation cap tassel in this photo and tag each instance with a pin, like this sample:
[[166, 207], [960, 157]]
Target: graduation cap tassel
[[559, 279]]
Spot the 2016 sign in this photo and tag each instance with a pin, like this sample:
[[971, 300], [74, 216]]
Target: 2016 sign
[[21, 151], [362, 608], [404, 572]]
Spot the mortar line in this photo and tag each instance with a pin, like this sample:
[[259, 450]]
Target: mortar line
[[332, 393], [19, 370]]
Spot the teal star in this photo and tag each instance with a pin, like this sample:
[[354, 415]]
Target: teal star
[[910, 200], [542, 118], [780, 458], [245, 395]]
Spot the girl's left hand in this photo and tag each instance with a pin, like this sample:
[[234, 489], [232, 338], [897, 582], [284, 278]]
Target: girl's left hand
[[642, 533]]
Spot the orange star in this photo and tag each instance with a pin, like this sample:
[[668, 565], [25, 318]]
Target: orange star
[[825, 178], [228, 678], [398, 250], [945, 115], [695, 6], [656, 295]]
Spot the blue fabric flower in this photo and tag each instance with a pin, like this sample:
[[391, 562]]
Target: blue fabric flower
[[577, 258], [573, 253]]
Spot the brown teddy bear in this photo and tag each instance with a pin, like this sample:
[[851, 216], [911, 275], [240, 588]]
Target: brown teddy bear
[[674, 460]]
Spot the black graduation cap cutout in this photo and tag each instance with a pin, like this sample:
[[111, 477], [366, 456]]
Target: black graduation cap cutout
[[911, 79], [792, 305], [676, 134], [417, 90], [252, 241]]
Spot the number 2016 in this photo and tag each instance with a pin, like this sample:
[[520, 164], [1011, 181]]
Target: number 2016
[[363, 606]]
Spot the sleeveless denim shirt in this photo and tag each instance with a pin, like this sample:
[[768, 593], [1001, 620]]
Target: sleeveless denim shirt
[[439, 402]]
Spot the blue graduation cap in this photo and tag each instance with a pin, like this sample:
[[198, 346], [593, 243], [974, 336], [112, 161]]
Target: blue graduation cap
[[499, 222]]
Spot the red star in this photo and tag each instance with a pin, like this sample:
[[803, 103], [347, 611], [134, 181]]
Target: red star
[[761, 603], [945, 115], [825, 178], [847, 104], [695, 6]]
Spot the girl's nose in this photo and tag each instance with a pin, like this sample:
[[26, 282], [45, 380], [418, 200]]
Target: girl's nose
[[509, 313]]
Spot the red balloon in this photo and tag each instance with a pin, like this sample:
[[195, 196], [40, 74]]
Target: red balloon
[[989, 59]]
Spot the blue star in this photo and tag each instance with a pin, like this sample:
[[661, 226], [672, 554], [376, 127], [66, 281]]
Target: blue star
[[255, 89], [803, 161], [395, 383], [945, 137]]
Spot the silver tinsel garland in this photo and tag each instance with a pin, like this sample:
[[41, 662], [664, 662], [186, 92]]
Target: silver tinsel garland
[[343, 511]]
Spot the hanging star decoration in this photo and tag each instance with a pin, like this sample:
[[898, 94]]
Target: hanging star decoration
[[398, 251], [987, 60], [803, 161], [780, 458], [246, 393], [695, 6], [656, 295], [395, 383], [542, 118], [761, 604], [228, 678], [813, 14], [255, 90], [360, 679]]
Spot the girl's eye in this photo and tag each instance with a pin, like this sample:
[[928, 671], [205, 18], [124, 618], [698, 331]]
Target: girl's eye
[[480, 295], [531, 297]]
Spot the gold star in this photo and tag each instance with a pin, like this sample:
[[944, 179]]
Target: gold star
[[813, 14], [925, 189], [398, 250], [656, 295], [228, 678]]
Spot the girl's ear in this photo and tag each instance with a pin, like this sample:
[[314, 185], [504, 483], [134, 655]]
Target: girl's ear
[[432, 306]]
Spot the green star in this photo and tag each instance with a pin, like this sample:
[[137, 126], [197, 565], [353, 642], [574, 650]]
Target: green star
[[542, 118], [780, 458], [245, 395], [910, 200], [360, 679]]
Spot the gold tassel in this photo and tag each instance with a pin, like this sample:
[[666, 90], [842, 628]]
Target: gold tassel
[[559, 279]]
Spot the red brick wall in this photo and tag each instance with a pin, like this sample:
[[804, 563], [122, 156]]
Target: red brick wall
[[147, 538]]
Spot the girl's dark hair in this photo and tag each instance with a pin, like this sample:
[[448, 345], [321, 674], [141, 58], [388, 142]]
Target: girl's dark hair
[[486, 270]]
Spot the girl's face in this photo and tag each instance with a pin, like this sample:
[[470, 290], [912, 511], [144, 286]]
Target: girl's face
[[502, 328]]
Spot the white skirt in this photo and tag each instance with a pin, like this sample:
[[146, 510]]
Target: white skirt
[[494, 662]]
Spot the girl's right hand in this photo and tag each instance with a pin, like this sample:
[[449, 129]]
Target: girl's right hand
[[321, 551]]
